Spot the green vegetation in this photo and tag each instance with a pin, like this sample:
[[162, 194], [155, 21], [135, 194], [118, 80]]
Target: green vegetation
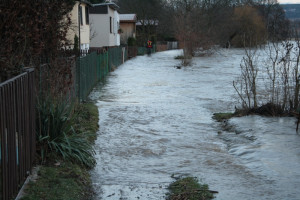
[[59, 131], [223, 116], [131, 41], [86, 119], [189, 188], [64, 173], [66, 181]]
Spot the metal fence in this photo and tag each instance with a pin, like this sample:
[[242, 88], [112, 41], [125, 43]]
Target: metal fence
[[115, 57], [143, 50], [17, 131], [172, 45], [93, 67], [132, 51], [57, 79]]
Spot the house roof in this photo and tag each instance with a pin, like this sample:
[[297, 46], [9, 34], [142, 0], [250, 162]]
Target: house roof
[[111, 5], [127, 17], [86, 2]]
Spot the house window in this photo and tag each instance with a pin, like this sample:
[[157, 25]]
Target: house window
[[110, 24], [87, 15], [80, 15]]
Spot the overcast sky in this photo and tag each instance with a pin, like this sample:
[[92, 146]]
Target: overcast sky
[[289, 1]]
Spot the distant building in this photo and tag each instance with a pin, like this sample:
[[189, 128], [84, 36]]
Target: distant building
[[105, 24], [128, 27], [80, 24]]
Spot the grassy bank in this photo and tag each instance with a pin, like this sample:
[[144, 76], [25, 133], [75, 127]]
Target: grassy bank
[[189, 188], [60, 178]]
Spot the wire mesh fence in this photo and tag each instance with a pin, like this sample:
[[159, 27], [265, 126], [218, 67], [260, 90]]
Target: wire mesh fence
[[144, 50], [95, 66]]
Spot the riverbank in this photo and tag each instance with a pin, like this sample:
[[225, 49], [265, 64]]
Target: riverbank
[[60, 179]]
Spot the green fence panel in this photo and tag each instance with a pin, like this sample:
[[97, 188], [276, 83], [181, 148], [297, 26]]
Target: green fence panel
[[126, 54], [88, 74], [153, 50], [115, 58], [94, 67], [141, 50], [103, 64]]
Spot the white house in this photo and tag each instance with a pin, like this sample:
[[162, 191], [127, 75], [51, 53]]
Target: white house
[[80, 24], [104, 25]]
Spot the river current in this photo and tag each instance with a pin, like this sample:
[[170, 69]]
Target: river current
[[156, 123]]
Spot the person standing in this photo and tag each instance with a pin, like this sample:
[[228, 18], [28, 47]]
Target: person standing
[[149, 47]]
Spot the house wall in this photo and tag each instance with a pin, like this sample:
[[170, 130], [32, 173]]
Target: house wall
[[105, 34], [84, 28], [128, 29], [100, 30], [116, 35]]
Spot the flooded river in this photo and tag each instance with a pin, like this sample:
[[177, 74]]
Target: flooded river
[[156, 122]]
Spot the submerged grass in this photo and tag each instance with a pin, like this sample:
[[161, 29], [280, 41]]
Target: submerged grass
[[61, 178], [189, 188], [223, 116]]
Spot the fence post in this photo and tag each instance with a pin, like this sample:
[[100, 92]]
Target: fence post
[[78, 70]]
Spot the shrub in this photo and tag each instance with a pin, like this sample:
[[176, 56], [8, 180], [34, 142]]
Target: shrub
[[189, 188], [55, 133], [131, 41]]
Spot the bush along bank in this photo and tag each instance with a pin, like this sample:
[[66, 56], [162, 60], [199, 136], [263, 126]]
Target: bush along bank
[[65, 137]]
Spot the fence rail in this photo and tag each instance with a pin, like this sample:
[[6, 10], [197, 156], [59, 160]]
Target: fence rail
[[93, 67], [17, 131], [95, 64]]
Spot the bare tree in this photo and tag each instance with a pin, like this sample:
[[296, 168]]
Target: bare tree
[[296, 71], [246, 86], [273, 54]]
